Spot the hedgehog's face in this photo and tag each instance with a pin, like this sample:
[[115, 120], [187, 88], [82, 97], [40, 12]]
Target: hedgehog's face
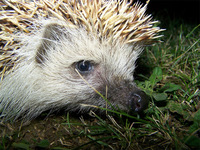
[[76, 64]]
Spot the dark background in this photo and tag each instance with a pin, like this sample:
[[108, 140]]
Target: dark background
[[172, 14], [186, 10]]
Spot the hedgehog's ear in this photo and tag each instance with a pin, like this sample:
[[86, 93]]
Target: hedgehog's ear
[[50, 37]]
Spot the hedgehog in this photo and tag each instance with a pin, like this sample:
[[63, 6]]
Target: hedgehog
[[76, 55]]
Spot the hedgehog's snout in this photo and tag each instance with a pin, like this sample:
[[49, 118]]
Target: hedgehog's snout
[[138, 101]]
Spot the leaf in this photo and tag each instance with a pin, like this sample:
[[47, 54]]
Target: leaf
[[178, 108], [170, 87], [196, 125], [1, 147], [160, 96], [43, 144], [59, 148], [156, 76], [193, 141], [197, 116], [21, 146]]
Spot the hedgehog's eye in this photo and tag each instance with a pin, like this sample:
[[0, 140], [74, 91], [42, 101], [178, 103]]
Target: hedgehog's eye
[[84, 66]]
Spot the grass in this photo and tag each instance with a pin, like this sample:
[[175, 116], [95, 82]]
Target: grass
[[172, 120], [175, 82]]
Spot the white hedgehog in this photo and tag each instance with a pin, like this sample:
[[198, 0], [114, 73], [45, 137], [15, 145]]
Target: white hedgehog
[[67, 51]]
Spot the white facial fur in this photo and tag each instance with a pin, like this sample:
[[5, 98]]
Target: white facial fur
[[50, 82]]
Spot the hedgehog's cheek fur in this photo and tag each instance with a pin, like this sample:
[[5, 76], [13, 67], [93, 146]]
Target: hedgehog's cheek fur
[[121, 91]]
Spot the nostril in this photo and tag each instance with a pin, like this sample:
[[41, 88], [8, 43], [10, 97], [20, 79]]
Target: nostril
[[138, 101]]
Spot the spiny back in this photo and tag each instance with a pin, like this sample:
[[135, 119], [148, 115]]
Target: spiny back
[[111, 20]]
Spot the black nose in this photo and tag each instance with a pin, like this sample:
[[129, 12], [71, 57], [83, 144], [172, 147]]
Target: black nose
[[138, 101]]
